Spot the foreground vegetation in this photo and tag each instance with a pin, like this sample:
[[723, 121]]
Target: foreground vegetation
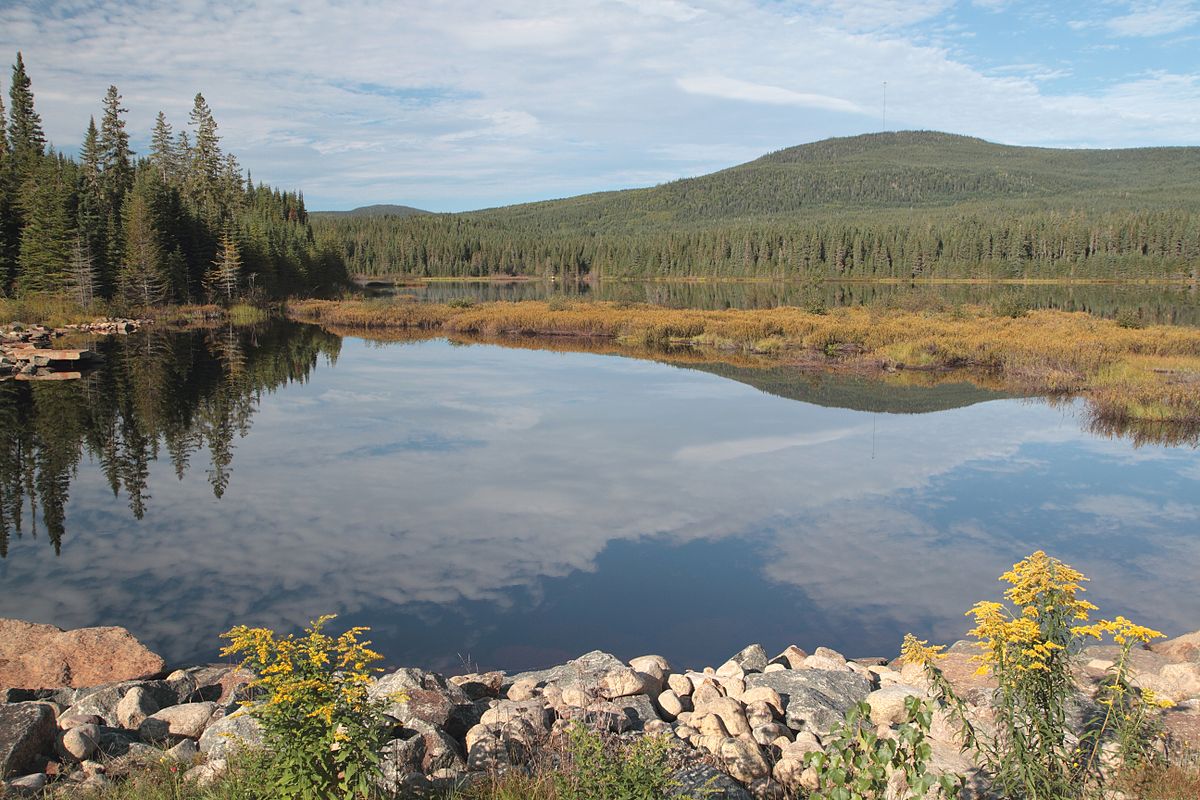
[[888, 205], [1128, 373]]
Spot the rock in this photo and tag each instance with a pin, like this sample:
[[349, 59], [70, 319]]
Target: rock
[[80, 742], [186, 720], [791, 658], [1181, 648], [509, 710], [787, 771], [824, 658], [185, 752], [26, 730], [750, 659], [207, 773], [524, 689], [480, 685], [766, 735], [814, 699], [103, 700], [584, 672], [625, 682], [701, 780], [888, 704], [744, 760], [135, 707], [26, 785], [657, 727], [492, 747], [574, 697], [639, 710], [731, 712], [706, 692], [239, 730], [427, 696], [68, 721], [680, 685], [398, 759], [657, 666], [672, 705], [36, 656], [764, 694], [441, 751]]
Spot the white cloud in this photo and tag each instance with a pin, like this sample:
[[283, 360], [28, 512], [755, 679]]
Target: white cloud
[[1155, 18], [734, 89]]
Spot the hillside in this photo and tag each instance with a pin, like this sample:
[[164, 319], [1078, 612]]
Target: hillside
[[377, 210], [901, 204]]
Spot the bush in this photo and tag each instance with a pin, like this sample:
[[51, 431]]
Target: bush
[[318, 720], [595, 771]]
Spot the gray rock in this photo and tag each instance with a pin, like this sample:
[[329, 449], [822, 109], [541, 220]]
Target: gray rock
[[185, 752], [441, 751], [239, 730], [26, 785], [80, 742], [751, 659], [427, 696], [702, 780], [26, 731], [135, 707], [639, 709], [398, 759], [815, 699], [185, 720], [584, 672]]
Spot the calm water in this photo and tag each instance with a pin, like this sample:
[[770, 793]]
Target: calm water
[[1177, 304], [515, 507]]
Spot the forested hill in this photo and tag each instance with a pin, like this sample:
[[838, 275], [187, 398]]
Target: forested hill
[[881, 205], [378, 210]]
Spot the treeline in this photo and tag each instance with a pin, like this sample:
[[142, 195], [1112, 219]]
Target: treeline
[[959, 242], [181, 224], [191, 394]]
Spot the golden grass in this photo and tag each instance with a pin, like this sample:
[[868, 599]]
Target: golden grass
[[1150, 374]]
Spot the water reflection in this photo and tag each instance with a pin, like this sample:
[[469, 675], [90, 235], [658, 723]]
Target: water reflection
[[1175, 304], [515, 506]]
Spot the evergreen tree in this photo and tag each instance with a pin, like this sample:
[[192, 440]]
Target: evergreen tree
[[25, 126], [162, 149], [141, 279], [204, 171], [225, 277], [116, 176], [44, 260], [94, 216], [82, 280], [9, 228]]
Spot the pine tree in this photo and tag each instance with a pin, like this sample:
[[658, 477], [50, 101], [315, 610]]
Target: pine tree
[[225, 278], [204, 171], [162, 149], [141, 279], [82, 277], [93, 215], [9, 230], [25, 126], [115, 156], [44, 260]]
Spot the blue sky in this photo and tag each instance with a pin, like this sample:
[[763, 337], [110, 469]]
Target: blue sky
[[454, 104]]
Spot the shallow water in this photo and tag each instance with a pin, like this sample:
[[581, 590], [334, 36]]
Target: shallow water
[[511, 508]]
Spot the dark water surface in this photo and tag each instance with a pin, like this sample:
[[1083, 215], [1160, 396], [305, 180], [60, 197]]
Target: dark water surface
[[515, 507], [1176, 304]]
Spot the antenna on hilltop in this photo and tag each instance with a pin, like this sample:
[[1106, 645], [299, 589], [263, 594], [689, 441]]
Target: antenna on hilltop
[[885, 105]]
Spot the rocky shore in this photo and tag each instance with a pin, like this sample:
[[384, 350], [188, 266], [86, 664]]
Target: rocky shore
[[740, 728], [28, 352]]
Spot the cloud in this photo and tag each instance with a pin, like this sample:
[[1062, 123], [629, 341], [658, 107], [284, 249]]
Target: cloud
[[1154, 18], [733, 89]]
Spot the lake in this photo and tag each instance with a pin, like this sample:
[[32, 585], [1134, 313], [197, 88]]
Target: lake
[[513, 507]]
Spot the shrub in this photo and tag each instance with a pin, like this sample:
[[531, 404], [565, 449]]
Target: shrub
[[318, 719], [596, 771], [857, 763]]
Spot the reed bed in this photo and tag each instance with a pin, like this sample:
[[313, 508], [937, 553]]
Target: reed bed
[[1128, 374]]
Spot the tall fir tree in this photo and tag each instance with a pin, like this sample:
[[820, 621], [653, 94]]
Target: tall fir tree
[[25, 135], [116, 176], [94, 216], [9, 229], [205, 169], [162, 149], [44, 260], [225, 278], [141, 278]]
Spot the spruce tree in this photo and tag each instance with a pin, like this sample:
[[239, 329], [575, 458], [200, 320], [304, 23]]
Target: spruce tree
[[82, 279], [225, 277], [204, 171], [162, 149], [25, 126], [116, 157], [141, 279], [8, 221], [93, 214], [44, 260]]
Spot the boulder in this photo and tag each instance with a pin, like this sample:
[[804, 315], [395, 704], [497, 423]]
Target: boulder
[[441, 751], [133, 709], [34, 656], [239, 730], [480, 685], [509, 710], [427, 696], [26, 785], [626, 682], [26, 731], [814, 699], [750, 659], [185, 752], [657, 666], [744, 760], [398, 759], [80, 742], [187, 720], [584, 672], [638, 709], [1181, 648], [524, 689], [702, 780], [680, 685], [672, 704], [824, 658], [888, 704]]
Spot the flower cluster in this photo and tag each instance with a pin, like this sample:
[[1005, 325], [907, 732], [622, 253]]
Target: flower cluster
[[920, 651]]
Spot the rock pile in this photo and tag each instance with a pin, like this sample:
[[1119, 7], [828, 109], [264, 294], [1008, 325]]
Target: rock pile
[[741, 729], [26, 352]]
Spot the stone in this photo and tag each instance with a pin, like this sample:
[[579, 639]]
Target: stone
[[774, 667], [791, 658], [824, 658], [185, 752], [766, 735], [888, 704], [26, 730], [185, 720], [34, 656], [68, 721], [1181, 648], [441, 751], [80, 742], [672, 705], [731, 712], [625, 682], [657, 666], [26, 785], [240, 730], [744, 760], [706, 692], [787, 771], [658, 727], [584, 672], [680, 685], [575, 697], [751, 659], [416, 694], [702, 780], [525, 689], [480, 685], [764, 694], [509, 710], [207, 773], [135, 707], [639, 709], [398, 759], [814, 699]]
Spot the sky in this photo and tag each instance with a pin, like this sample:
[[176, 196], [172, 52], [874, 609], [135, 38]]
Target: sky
[[451, 105]]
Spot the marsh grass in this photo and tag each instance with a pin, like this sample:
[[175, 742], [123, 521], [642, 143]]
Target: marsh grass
[[1128, 374]]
